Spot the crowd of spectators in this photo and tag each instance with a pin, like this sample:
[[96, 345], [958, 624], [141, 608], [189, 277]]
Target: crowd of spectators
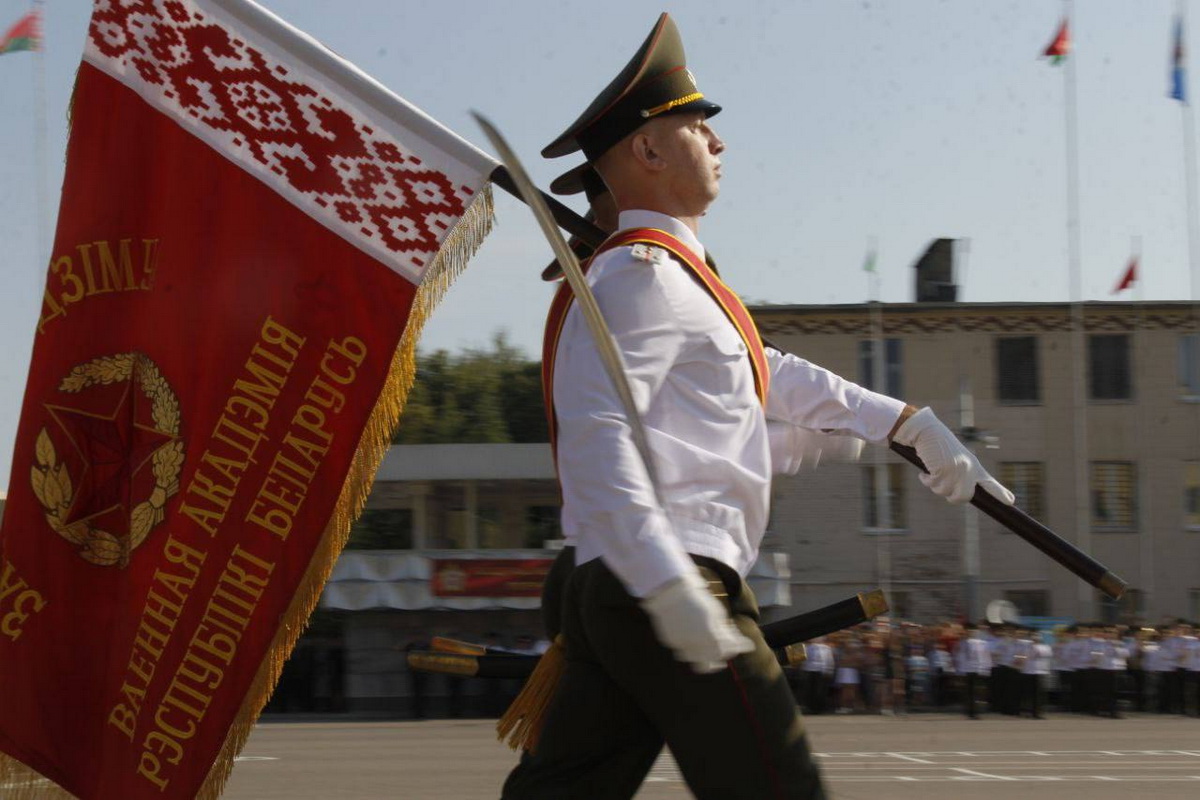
[[884, 667]]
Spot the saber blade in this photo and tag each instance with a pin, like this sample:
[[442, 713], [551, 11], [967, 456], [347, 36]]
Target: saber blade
[[610, 356]]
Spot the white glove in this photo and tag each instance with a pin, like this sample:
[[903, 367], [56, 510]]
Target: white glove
[[694, 625], [793, 447], [953, 469]]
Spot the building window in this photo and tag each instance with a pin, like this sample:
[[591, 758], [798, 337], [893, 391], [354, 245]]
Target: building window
[[1017, 370], [893, 361], [1191, 494], [1030, 602], [1114, 495], [382, 529], [1188, 369], [1026, 480], [542, 523], [874, 516], [1109, 376]]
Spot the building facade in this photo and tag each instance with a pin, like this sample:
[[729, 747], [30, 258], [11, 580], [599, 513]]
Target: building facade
[[1098, 434]]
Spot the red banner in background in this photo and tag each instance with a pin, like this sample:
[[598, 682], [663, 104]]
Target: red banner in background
[[227, 333], [489, 577]]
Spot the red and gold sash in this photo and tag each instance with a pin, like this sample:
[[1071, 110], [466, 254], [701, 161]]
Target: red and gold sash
[[729, 302]]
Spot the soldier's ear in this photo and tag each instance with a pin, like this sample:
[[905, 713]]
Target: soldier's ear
[[644, 150]]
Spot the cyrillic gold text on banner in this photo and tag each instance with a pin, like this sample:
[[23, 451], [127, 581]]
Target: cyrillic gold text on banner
[[251, 234]]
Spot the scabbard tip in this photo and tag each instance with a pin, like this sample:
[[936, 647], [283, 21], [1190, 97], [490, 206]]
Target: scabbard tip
[[445, 663], [1112, 586], [873, 603]]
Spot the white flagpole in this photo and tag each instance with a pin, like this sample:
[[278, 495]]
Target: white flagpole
[[1146, 538], [882, 499], [39, 144], [1187, 121], [1078, 341], [1188, 124]]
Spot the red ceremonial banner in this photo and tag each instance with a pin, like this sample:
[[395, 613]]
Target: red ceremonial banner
[[489, 577], [245, 251]]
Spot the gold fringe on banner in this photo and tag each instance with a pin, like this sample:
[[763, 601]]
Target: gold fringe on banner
[[20, 782], [451, 260], [522, 723]]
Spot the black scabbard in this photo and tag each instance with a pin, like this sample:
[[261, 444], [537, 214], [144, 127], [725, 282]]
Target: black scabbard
[[794, 630], [509, 666], [822, 621], [1037, 534]]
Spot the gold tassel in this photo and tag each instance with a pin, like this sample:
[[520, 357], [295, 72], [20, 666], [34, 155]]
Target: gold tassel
[[522, 723], [20, 782]]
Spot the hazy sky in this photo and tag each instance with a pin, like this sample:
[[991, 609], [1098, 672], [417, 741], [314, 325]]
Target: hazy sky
[[845, 120]]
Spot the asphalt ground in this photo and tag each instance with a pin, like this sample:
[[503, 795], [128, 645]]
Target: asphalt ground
[[925, 756]]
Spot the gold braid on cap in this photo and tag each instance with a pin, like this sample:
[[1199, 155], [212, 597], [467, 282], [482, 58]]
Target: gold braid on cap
[[687, 98]]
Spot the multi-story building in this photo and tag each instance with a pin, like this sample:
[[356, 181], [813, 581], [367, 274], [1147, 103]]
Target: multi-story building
[[1098, 434], [455, 537]]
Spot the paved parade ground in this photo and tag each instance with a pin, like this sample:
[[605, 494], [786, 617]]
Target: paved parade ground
[[925, 756]]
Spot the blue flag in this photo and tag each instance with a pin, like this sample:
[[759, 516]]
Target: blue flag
[[1178, 66]]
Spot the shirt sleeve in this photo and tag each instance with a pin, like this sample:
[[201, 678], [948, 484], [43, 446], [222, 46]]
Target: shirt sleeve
[[813, 397], [601, 471]]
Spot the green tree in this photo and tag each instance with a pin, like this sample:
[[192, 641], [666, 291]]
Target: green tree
[[491, 396]]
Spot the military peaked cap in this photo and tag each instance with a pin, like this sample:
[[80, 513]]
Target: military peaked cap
[[656, 81], [582, 178]]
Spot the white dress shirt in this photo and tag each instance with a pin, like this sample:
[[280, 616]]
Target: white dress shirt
[[1153, 658], [973, 656], [820, 658], [1037, 658], [692, 383], [1190, 659]]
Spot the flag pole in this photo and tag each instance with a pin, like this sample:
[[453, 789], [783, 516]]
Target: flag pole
[[40, 159], [1146, 539], [882, 499], [1075, 277], [1188, 123]]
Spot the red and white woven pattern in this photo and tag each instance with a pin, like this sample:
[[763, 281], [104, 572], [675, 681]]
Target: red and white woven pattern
[[291, 127]]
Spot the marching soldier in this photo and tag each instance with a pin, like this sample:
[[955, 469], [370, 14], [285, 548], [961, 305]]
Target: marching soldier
[[659, 626]]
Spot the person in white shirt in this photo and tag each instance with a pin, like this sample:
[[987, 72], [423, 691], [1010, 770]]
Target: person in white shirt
[[941, 667], [1174, 652], [1004, 687], [1034, 659], [1189, 695], [659, 626], [973, 661], [1155, 665], [1063, 667], [1111, 669], [818, 671]]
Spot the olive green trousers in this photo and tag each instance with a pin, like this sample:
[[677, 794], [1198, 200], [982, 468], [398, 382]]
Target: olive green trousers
[[734, 734]]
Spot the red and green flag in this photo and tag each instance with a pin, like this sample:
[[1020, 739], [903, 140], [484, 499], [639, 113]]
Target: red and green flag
[[25, 34], [1060, 47]]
